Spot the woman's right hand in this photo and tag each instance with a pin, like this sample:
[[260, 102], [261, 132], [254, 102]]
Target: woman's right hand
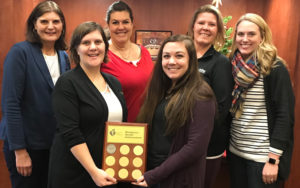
[[23, 162], [101, 178]]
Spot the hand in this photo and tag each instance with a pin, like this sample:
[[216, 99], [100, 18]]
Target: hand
[[141, 182], [269, 173], [101, 178], [23, 162]]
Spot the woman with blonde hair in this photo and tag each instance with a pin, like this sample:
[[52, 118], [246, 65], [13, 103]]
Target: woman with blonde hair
[[263, 108], [207, 31]]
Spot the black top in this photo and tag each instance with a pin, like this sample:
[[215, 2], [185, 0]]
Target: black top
[[158, 144], [81, 112], [217, 72]]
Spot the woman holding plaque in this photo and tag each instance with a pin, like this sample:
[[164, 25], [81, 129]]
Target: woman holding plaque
[[83, 100], [180, 109], [130, 63]]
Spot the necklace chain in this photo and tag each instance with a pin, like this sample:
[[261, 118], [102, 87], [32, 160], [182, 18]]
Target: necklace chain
[[128, 52]]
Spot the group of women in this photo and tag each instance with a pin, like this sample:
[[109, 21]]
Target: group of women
[[53, 136]]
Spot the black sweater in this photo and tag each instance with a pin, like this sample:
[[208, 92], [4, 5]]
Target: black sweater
[[280, 103]]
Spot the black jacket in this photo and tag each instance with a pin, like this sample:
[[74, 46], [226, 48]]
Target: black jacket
[[81, 113], [217, 72]]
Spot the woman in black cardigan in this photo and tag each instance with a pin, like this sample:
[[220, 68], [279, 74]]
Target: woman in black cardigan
[[83, 100], [263, 108]]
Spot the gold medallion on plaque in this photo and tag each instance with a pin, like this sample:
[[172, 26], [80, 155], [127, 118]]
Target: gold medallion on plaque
[[125, 150], [124, 161], [110, 160], [138, 150], [110, 172], [123, 173], [136, 174], [137, 162]]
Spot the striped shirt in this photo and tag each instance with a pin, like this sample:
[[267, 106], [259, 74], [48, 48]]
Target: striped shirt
[[250, 134]]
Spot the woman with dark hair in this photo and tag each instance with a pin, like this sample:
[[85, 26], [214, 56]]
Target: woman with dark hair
[[130, 63], [180, 109], [83, 100], [31, 69], [261, 142], [207, 31]]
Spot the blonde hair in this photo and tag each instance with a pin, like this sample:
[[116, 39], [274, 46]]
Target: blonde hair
[[266, 52], [219, 40]]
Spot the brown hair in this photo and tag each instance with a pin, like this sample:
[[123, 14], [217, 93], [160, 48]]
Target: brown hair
[[118, 6], [38, 11], [210, 9], [79, 32], [189, 88]]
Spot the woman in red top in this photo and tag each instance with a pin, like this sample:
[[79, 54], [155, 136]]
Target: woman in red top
[[130, 63]]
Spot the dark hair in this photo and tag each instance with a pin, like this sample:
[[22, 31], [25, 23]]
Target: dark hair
[[118, 6], [210, 9], [38, 11], [79, 32], [189, 88]]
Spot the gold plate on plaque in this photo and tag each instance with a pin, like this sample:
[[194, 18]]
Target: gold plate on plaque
[[123, 173], [137, 162], [125, 150], [138, 150], [110, 160], [136, 174], [110, 172], [124, 161]]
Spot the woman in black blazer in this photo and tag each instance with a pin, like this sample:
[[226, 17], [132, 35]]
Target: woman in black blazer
[[83, 100]]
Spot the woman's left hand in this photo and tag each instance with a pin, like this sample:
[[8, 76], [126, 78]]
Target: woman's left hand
[[270, 173], [141, 182]]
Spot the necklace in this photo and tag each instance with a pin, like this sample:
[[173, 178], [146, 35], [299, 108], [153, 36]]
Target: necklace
[[125, 54]]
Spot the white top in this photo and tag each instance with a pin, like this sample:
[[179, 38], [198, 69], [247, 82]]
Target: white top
[[53, 66], [115, 111], [250, 134]]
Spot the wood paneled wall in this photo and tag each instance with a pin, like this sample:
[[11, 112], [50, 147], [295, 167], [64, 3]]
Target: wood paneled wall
[[282, 16]]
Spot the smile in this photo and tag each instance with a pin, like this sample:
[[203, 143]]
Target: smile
[[93, 55]]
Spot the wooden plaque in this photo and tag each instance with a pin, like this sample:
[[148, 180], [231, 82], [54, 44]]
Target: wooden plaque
[[125, 150]]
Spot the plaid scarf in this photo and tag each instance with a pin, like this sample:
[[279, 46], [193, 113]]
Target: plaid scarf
[[245, 75]]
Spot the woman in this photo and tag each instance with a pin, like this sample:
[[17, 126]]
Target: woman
[[131, 64], [180, 109], [83, 100], [207, 30], [263, 108], [31, 69]]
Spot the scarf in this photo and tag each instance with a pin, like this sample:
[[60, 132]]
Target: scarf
[[245, 75]]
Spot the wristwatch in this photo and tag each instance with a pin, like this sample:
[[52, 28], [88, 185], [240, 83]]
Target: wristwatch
[[273, 161]]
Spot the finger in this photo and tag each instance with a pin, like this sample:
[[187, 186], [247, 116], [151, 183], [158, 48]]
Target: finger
[[20, 171], [29, 171], [264, 179], [26, 171], [111, 179]]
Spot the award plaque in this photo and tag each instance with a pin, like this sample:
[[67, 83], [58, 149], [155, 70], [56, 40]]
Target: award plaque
[[125, 150]]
